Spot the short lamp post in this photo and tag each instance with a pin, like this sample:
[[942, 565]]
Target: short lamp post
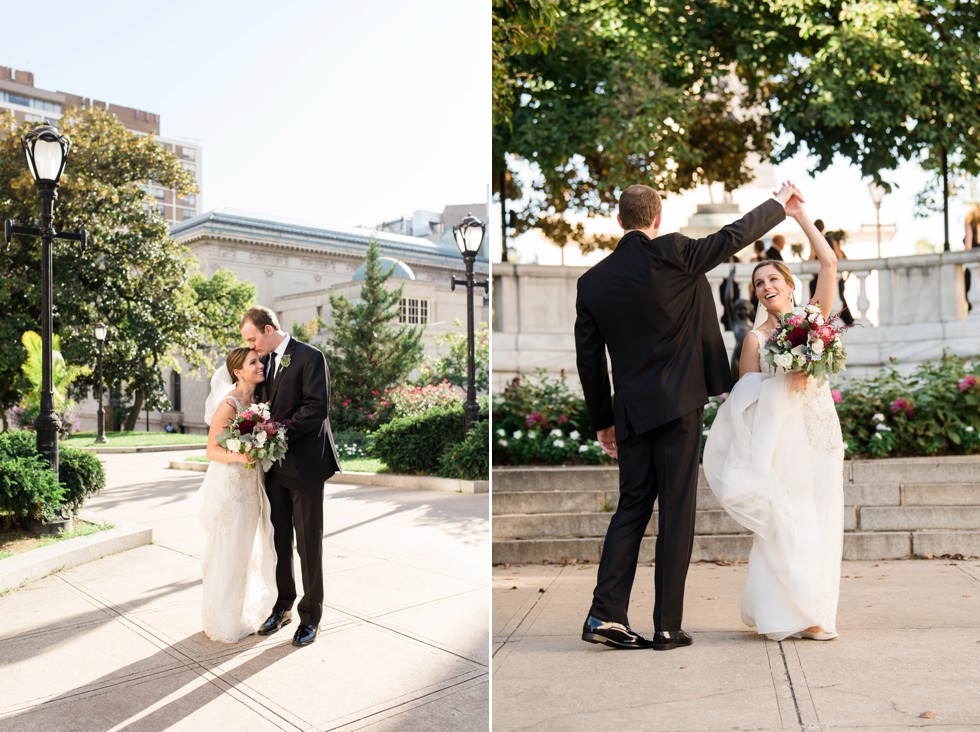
[[468, 234], [877, 194], [46, 151], [100, 333]]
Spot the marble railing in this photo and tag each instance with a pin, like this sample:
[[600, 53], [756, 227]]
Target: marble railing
[[909, 308]]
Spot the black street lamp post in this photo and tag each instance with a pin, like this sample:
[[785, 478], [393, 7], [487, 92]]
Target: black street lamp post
[[468, 234], [100, 333], [46, 151]]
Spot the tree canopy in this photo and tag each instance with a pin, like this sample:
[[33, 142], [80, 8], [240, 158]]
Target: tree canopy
[[131, 275], [677, 93]]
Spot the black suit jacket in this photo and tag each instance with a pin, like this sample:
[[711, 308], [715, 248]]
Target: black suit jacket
[[300, 397], [773, 253], [650, 305]]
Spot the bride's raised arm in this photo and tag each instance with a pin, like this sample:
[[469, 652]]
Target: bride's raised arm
[[827, 276]]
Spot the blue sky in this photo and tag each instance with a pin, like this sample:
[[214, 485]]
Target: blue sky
[[380, 107]]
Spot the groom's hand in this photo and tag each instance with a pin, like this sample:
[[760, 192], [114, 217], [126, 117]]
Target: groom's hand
[[607, 441]]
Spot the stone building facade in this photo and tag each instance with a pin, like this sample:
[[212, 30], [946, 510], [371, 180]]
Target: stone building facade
[[295, 266]]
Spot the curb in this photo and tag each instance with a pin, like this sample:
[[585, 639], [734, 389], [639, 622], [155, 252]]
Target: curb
[[37, 563], [382, 480], [415, 482], [145, 448]]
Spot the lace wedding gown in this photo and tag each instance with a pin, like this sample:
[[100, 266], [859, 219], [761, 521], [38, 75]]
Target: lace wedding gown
[[774, 459], [239, 562]]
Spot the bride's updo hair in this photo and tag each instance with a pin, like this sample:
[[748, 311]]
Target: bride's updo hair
[[235, 360], [780, 267]]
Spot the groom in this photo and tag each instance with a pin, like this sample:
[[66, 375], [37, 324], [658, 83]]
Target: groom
[[298, 391], [650, 305]]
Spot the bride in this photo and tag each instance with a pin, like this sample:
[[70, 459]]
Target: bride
[[239, 559], [774, 458]]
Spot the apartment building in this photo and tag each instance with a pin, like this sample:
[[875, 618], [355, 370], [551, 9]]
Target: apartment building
[[19, 94]]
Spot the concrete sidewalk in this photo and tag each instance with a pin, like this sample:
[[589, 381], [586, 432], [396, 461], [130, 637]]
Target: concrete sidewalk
[[116, 643], [908, 655]]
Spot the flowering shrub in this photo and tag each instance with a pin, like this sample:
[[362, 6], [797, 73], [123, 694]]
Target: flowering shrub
[[347, 414], [934, 411], [23, 418], [409, 400], [541, 420]]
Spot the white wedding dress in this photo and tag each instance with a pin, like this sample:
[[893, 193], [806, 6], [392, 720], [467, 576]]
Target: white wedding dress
[[774, 458], [239, 562]]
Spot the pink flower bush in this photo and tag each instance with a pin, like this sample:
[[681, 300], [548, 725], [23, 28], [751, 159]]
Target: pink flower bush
[[902, 405], [836, 394], [967, 382]]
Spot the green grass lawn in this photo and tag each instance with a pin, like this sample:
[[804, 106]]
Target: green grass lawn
[[19, 541], [135, 439], [353, 465]]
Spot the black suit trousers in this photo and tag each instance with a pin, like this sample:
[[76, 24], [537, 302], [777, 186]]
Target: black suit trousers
[[660, 465], [299, 509]]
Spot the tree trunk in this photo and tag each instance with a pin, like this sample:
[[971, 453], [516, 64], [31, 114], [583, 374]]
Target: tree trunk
[[134, 412]]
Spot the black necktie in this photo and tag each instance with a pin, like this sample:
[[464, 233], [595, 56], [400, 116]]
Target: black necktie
[[272, 367]]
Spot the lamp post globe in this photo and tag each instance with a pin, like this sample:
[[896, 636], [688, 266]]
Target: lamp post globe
[[47, 150], [100, 334], [877, 192], [469, 234]]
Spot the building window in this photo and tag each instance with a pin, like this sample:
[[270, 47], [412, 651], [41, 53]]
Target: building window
[[188, 152], [414, 311], [175, 391], [187, 213]]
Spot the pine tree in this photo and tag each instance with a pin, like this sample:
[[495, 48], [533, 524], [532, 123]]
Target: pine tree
[[367, 350]]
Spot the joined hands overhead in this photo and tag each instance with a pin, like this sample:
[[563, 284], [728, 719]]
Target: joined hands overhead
[[791, 198]]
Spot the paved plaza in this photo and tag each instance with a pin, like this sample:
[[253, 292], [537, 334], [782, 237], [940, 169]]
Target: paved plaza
[[908, 655], [115, 644]]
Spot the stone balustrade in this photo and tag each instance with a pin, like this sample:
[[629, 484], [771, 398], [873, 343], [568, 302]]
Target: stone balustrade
[[909, 308]]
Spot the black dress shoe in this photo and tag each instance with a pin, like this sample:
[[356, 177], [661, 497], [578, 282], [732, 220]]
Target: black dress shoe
[[612, 634], [275, 621], [668, 640], [305, 634]]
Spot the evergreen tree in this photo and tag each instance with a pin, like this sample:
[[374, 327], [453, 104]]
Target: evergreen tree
[[367, 350]]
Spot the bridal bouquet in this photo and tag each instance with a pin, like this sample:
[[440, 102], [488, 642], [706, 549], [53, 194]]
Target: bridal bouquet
[[807, 342], [253, 432]]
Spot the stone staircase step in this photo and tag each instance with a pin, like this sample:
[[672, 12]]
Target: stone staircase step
[[939, 543], [941, 494], [859, 546], [959, 469], [578, 525], [568, 501], [917, 518], [869, 494]]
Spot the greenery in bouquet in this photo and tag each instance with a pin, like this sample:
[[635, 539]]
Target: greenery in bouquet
[[807, 342], [254, 433], [540, 420], [933, 411]]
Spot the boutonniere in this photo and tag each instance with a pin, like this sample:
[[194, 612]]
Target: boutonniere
[[286, 360]]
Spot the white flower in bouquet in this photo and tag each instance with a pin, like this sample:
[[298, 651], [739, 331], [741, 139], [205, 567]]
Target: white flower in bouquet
[[783, 360]]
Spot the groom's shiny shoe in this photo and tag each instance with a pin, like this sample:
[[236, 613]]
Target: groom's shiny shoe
[[668, 640], [612, 634], [275, 621], [305, 634]]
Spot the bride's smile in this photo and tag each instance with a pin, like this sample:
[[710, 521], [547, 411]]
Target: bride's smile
[[772, 290]]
